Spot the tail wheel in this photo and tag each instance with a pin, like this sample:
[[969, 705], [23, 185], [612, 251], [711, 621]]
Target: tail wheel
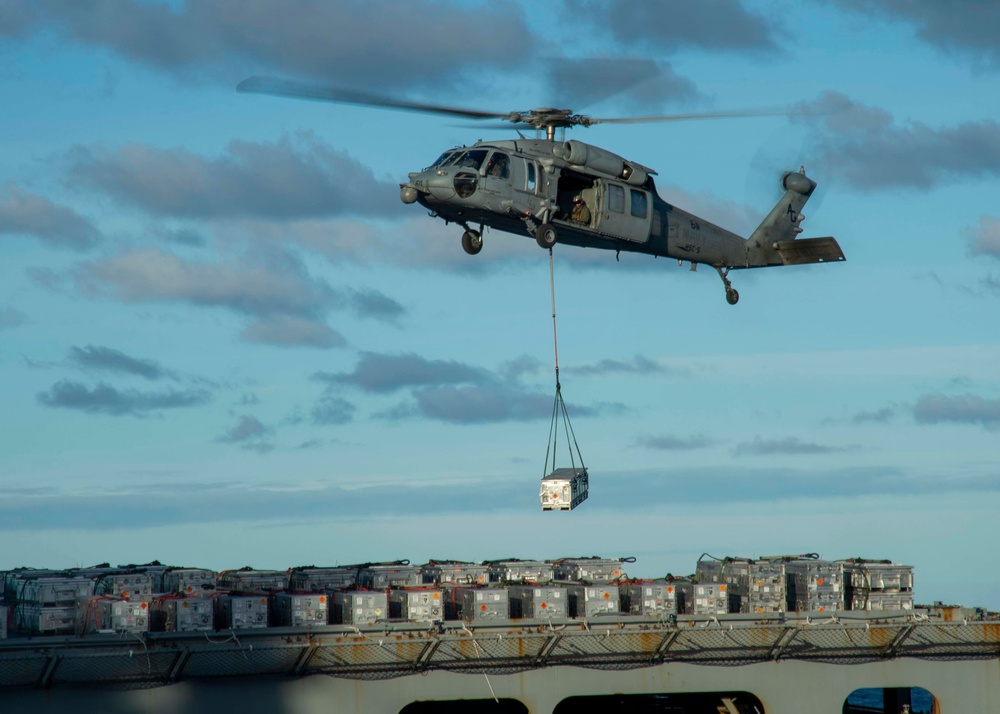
[[546, 235], [732, 297], [472, 242]]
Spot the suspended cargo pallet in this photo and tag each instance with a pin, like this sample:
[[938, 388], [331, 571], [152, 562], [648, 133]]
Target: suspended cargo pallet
[[564, 489]]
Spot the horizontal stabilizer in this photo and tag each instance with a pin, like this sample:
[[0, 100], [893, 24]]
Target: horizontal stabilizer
[[809, 250]]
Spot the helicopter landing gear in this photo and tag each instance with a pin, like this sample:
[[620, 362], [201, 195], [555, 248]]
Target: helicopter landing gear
[[472, 241], [732, 296], [546, 235]]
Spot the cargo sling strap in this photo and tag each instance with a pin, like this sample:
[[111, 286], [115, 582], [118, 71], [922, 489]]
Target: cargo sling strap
[[558, 405]]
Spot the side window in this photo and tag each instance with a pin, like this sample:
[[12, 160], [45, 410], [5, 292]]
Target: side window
[[638, 204], [531, 176], [499, 165], [616, 198]]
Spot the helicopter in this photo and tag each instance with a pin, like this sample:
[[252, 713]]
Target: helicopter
[[534, 187]]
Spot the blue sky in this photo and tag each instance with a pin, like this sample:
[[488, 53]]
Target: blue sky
[[224, 341]]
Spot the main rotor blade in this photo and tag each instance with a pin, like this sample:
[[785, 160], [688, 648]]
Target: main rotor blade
[[698, 115], [302, 90]]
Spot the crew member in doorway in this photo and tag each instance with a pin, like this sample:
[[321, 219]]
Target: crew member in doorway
[[581, 214]]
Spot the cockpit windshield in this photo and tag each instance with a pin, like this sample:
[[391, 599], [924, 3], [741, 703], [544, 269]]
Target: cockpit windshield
[[442, 160], [471, 159]]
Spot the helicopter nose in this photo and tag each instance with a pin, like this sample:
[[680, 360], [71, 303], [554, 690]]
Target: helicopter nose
[[440, 187], [408, 194]]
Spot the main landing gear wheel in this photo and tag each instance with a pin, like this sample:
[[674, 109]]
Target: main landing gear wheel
[[546, 235], [472, 242], [732, 297]]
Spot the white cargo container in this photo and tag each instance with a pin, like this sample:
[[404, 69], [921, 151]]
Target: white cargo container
[[815, 586], [235, 612], [455, 572], [55, 591], [520, 571], [380, 577], [474, 604], [299, 609], [599, 571], [767, 591], [359, 607], [128, 586], [46, 620], [182, 614], [315, 579], [564, 489], [711, 599], [542, 602], [418, 604], [192, 582], [655, 599], [105, 614], [252, 581], [587, 601]]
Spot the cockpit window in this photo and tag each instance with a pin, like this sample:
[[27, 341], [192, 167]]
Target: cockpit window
[[471, 159], [442, 160]]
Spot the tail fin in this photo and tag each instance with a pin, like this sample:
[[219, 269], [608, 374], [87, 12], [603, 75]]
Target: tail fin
[[774, 242]]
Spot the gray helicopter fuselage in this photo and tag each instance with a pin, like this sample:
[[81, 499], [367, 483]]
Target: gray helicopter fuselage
[[529, 187]]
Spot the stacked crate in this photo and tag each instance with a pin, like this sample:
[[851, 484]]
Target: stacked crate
[[767, 590], [454, 572], [417, 604], [359, 607], [477, 604], [538, 602], [105, 613], [598, 571], [235, 612], [520, 571], [192, 582], [299, 609], [177, 613], [128, 586], [313, 579], [586, 601], [657, 598], [815, 586], [3, 622], [394, 575], [734, 573], [47, 605], [248, 580], [876, 585]]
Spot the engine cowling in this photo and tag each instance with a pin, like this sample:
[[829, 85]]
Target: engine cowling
[[585, 156]]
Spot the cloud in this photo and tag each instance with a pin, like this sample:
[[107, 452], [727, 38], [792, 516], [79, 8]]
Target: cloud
[[637, 365], [960, 27], [295, 177], [713, 25], [107, 359], [382, 373], [10, 318], [985, 238], [23, 213], [286, 304], [329, 41], [879, 416], [105, 399], [674, 443], [864, 146], [961, 409], [792, 445], [292, 331], [249, 432], [332, 410]]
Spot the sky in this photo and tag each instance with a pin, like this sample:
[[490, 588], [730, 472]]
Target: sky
[[224, 341]]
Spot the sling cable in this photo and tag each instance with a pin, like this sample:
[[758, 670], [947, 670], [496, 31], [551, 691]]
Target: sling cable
[[563, 489]]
